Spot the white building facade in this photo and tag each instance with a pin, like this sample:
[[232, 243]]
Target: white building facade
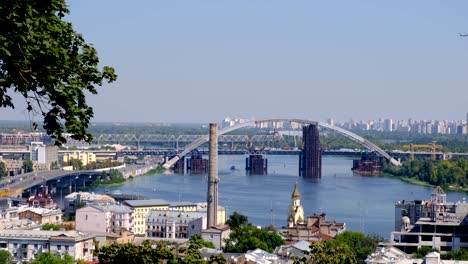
[[25, 245]]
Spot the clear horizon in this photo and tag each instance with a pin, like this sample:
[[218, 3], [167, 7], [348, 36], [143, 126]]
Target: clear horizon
[[265, 59]]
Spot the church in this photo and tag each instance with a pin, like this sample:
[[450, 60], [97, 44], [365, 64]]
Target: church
[[315, 228]]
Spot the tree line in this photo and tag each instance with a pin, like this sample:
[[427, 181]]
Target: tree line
[[445, 173]]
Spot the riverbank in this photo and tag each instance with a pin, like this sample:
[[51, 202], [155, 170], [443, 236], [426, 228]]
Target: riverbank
[[128, 173], [423, 183], [158, 170]]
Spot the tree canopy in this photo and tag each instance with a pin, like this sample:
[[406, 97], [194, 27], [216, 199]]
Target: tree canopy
[[245, 236], [236, 220], [27, 165], [50, 226], [5, 257], [446, 173], [348, 247], [46, 61], [51, 258], [249, 237], [3, 171]]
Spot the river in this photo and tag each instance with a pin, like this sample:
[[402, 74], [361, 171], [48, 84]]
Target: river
[[364, 203]]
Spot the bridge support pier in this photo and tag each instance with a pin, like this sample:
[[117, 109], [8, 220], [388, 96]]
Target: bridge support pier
[[311, 164], [197, 164], [255, 164], [179, 166]]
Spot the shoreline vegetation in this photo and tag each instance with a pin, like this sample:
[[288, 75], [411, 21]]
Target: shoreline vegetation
[[114, 178], [423, 183], [449, 174], [157, 170]]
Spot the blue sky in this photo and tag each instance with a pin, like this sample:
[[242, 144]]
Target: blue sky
[[199, 61]]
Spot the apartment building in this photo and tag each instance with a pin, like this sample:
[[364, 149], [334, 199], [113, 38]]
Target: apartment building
[[143, 207], [25, 245], [105, 218], [173, 224]]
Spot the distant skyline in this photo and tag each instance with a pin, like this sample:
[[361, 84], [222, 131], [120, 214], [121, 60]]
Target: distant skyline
[[263, 59]]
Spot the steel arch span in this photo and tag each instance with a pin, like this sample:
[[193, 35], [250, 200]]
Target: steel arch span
[[364, 142]]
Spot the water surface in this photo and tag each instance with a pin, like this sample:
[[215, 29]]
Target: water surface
[[363, 203]]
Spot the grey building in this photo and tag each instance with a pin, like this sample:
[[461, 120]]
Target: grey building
[[217, 235]]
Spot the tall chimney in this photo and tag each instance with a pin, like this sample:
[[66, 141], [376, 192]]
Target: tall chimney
[[212, 198]]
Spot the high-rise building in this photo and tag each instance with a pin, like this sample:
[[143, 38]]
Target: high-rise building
[[43, 154], [466, 125], [388, 125], [311, 159]]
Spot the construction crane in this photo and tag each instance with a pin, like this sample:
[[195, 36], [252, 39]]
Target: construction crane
[[431, 146]]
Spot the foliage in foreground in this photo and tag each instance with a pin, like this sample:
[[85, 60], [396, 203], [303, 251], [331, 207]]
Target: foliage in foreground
[[156, 253], [51, 258], [348, 248], [43, 59], [5, 257], [245, 236]]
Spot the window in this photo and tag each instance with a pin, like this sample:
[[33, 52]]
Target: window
[[35, 246], [66, 248], [59, 247], [86, 217], [15, 245]]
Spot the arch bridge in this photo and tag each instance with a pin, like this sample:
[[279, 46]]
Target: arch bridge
[[364, 142]]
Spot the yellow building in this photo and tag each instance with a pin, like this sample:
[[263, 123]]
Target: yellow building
[[84, 157], [143, 207]]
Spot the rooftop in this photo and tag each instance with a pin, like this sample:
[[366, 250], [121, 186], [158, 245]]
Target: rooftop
[[174, 216], [87, 196], [145, 203], [42, 234], [115, 208], [39, 210]]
